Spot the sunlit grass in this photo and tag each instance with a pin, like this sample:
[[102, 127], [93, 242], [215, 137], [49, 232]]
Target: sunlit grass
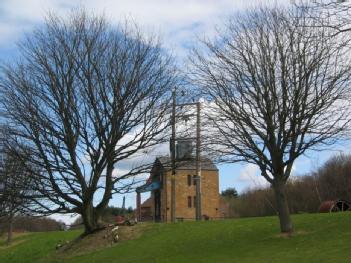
[[317, 238]]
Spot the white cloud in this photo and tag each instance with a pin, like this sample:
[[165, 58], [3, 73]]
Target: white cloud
[[66, 218], [178, 21], [250, 176]]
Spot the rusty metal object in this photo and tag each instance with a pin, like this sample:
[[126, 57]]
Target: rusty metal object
[[120, 220], [334, 206]]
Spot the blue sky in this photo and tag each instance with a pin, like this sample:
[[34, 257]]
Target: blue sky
[[179, 23]]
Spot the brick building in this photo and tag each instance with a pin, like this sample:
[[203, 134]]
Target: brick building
[[158, 206]]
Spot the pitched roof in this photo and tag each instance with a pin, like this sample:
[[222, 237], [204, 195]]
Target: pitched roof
[[147, 203], [206, 164]]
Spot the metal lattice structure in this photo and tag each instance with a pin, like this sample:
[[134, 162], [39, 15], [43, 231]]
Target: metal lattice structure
[[335, 206]]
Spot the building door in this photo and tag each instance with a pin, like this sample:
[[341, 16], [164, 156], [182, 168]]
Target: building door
[[157, 195]]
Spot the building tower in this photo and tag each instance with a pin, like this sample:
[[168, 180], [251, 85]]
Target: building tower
[[158, 206]]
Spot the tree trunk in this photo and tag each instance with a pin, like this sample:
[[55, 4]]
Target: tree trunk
[[283, 208], [91, 219], [9, 230]]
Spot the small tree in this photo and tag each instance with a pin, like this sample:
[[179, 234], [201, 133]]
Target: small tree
[[84, 97], [230, 192], [16, 185], [278, 87]]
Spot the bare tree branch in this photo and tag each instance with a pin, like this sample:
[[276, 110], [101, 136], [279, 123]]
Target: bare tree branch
[[278, 87], [83, 97]]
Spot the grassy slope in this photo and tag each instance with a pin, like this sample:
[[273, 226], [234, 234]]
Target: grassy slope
[[33, 247], [318, 238]]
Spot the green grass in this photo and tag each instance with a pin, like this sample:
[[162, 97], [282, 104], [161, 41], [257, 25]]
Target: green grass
[[318, 238], [33, 247]]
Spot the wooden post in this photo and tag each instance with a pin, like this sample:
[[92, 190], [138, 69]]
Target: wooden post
[[10, 229], [198, 163], [173, 157], [138, 205]]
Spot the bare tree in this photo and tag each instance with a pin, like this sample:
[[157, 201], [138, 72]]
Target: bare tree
[[333, 178], [84, 97], [15, 185], [278, 87], [333, 14]]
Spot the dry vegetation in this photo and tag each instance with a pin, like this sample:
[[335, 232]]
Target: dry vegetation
[[332, 181], [101, 239]]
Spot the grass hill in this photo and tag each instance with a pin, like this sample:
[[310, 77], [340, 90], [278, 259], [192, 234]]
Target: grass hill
[[317, 238]]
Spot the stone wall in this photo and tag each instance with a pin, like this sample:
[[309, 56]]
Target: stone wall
[[209, 192]]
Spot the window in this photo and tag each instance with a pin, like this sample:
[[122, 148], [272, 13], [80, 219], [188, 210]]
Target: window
[[189, 180], [194, 179], [189, 201], [194, 201]]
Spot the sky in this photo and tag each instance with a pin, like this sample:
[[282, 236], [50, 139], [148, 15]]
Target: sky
[[179, 24]]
